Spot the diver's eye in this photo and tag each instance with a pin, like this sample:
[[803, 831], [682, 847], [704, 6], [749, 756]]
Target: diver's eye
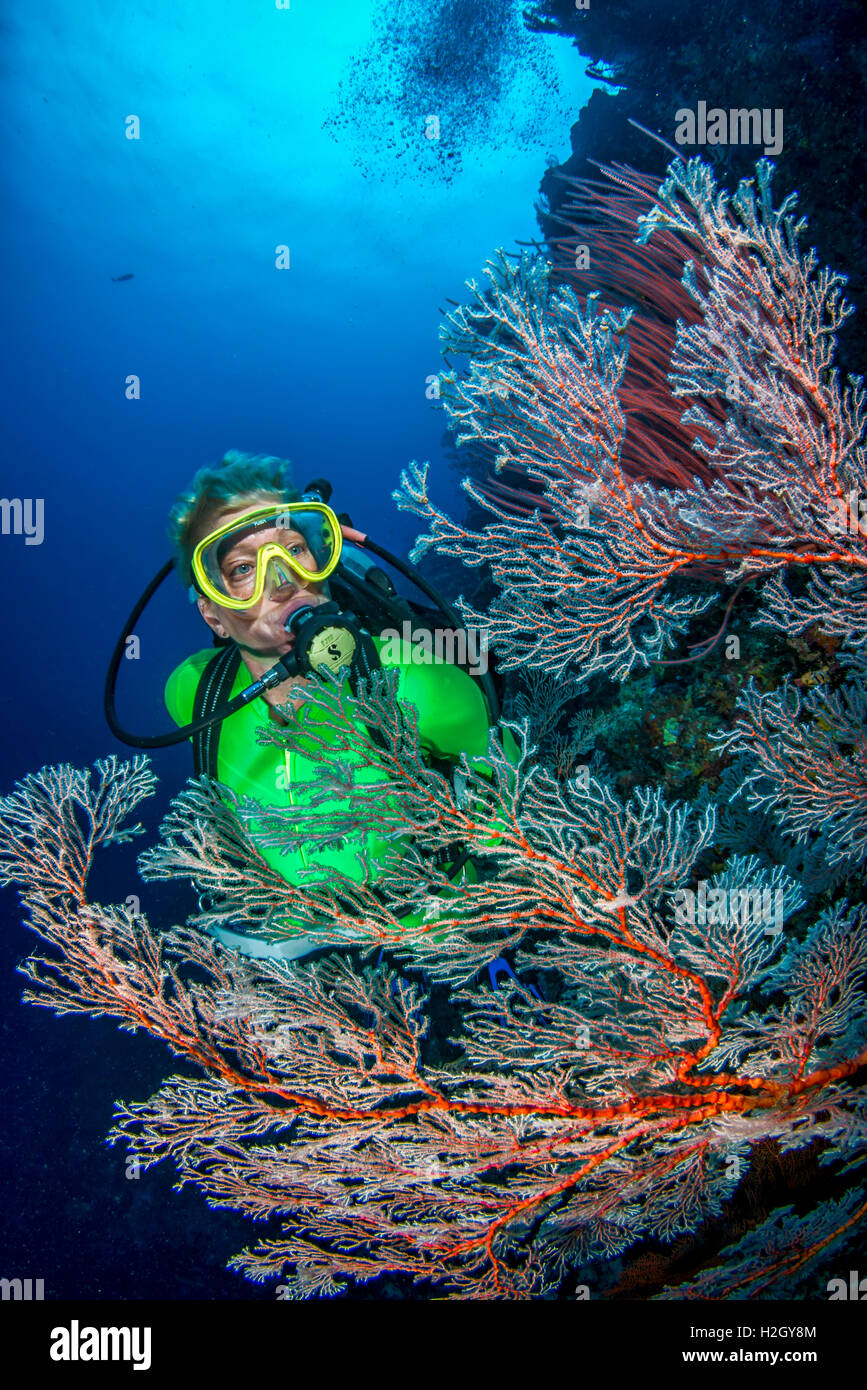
[[239, 572]]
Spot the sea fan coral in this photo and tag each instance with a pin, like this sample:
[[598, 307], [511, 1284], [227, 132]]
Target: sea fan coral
[[567, 1127], [588, 579]]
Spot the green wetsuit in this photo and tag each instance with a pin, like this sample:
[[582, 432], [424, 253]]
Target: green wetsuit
[[452, 719]]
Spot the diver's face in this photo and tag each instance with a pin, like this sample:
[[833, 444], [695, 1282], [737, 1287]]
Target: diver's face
[[261, 630]]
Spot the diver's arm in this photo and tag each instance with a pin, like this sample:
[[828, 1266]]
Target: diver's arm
[[452, 714], [181, 686], [453, 719]]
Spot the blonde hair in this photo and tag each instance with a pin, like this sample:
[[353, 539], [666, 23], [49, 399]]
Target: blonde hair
[[215, 490]]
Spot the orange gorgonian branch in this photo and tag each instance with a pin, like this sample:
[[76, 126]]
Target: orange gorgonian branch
[[567, 1127]]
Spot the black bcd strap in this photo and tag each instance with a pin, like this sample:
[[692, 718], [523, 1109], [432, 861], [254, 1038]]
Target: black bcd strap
[[213, 690]]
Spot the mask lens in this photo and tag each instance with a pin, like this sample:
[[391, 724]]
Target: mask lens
[[289, 546]]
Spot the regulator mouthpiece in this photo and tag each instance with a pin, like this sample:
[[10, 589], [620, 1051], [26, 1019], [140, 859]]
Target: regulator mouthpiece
[[295, 619], [325, 638]]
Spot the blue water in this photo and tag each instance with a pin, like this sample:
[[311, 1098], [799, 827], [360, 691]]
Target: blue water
[[247, 142]]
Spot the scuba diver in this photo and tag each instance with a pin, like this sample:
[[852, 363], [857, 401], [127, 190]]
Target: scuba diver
[[289, 589]]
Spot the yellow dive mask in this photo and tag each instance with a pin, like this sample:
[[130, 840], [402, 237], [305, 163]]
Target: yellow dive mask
[[279, 543]]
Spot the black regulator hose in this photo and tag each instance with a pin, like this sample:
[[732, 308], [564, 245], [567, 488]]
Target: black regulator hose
[[272, 677]]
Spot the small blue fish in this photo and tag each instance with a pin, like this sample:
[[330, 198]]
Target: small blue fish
[[128, 276]]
